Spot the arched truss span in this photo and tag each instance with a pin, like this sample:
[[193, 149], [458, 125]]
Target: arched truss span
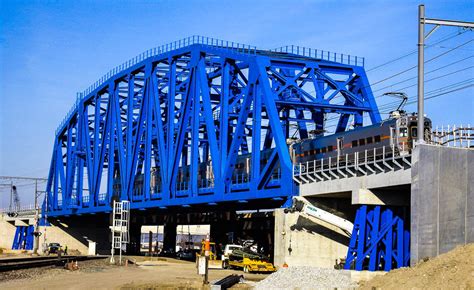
[[199, 123]]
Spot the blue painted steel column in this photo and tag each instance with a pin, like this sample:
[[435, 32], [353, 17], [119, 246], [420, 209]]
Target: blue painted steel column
[[17, 238], [362, 221], [379, 240]]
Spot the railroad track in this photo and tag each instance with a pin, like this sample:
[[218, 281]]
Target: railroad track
[[9, 264]]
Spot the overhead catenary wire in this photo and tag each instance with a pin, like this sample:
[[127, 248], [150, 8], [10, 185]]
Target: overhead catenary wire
[[414, 66], [440, 94], [432, 79], [426, 73], [416, 50], [427, 61], [447, 87], [384, 106], [429, 95], [426, 98]]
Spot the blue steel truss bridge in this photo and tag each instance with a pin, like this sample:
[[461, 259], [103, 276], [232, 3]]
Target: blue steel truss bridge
[[201, 122]]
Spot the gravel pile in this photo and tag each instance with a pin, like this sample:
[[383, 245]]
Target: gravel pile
[[304, 277]]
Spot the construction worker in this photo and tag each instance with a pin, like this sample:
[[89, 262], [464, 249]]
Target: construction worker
[[65, 250]]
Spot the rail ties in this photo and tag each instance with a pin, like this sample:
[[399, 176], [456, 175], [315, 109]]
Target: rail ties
[[9, 264]]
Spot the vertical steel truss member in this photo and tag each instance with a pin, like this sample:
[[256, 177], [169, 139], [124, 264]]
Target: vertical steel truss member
[[379, 241], [175, 126]]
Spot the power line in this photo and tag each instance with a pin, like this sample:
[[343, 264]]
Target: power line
[[392, 105], [431, 71], [432, 79], [444, 93], [415, 51], [428, 96], [387, 105], [441, 94], [447, 87], [415, 66], [412, 67]]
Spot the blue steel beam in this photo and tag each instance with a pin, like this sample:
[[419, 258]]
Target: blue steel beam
[[199, 121], [379, 240]]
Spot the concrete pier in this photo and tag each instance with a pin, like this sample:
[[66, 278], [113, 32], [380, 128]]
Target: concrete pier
[[442, 200]]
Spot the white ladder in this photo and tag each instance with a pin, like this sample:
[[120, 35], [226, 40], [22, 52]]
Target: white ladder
[[119, 228]]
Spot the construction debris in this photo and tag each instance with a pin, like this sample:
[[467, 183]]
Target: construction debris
[[305, 277]]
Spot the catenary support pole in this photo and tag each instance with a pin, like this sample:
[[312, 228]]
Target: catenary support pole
[[422, 20], [421, 71]]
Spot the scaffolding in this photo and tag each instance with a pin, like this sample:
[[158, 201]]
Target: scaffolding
[[120, 228]]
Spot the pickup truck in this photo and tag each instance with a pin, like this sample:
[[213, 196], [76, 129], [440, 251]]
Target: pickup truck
[[227, 251]]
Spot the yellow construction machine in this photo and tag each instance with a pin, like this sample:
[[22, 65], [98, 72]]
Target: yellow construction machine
[[214, 263], [245, 259]]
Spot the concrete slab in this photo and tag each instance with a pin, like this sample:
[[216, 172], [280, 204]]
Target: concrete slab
[[381, 196], [388, 179]]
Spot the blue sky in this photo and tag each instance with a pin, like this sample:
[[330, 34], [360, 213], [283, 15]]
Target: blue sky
[[49, 50]]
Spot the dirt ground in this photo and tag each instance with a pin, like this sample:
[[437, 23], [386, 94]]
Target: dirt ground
[[452, 270], [156, 274]]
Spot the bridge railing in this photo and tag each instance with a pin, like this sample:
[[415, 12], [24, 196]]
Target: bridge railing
[[195, 39], [453, 136], [374, 161], [24, 208], [322, 54]]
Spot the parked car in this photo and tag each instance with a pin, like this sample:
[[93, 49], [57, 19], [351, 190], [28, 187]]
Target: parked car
[[53, 248], [187, 254], [168, 253]]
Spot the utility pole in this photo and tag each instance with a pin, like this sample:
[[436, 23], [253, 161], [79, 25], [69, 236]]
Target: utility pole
[[422, 20], [11, 196], [36, 232]]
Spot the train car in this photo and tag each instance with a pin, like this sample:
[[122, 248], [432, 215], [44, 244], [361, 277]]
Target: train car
[[397, 135]]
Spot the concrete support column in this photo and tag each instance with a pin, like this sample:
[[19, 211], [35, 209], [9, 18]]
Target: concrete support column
[[222, 226], [135, 238]]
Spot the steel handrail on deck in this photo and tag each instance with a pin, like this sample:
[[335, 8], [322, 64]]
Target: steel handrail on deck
[[453, 136], [378, 160]]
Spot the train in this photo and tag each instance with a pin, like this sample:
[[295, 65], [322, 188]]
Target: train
[[397, 134]]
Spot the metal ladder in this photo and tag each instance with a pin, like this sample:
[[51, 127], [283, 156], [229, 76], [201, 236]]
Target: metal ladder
[[120, 228]]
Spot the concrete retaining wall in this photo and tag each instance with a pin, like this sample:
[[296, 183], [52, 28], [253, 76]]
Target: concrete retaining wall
[[442, 200], [7, 233], [311, 244], [75, 234]]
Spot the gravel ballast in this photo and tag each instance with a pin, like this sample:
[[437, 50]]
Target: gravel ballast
[[305, 277]]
